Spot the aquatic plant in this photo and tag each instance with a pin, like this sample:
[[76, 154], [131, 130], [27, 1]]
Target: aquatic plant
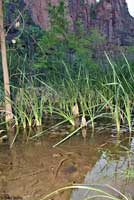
[[66, 115], [96, 93], [128, 112], [100, 193]]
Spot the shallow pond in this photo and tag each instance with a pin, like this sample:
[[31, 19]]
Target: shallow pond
[[30, 170]]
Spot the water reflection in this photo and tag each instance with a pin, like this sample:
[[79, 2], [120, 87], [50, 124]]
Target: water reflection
[[110, 169], [132, 144]]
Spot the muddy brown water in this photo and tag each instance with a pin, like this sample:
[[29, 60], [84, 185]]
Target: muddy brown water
[[31, 170]]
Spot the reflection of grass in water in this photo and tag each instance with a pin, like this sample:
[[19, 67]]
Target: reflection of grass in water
[[100, 192], [129, 173]]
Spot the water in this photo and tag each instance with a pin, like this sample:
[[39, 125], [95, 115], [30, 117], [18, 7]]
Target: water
[[30, 170]]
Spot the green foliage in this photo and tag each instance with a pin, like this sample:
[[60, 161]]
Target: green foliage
[[59, 44], [21, 39], [92, 11], [46, 50], [57, 15]]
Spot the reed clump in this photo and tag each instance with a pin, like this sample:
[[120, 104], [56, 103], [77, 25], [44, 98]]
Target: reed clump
[[103, 93]]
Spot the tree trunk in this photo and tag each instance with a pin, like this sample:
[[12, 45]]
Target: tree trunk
[[8, 108]]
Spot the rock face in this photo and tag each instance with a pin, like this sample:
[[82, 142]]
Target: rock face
[[38, 10], [80, 10], [76, 9], [110, 17], [114, 21]]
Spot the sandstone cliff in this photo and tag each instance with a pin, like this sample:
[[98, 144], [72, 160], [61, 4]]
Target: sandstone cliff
[[110, 17], [74, 8], [114, 21]]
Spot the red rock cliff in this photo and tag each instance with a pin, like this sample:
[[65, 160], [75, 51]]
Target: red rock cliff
[[111, 17], [114, 21]]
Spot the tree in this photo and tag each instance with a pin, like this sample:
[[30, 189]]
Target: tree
[[8, 108]]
